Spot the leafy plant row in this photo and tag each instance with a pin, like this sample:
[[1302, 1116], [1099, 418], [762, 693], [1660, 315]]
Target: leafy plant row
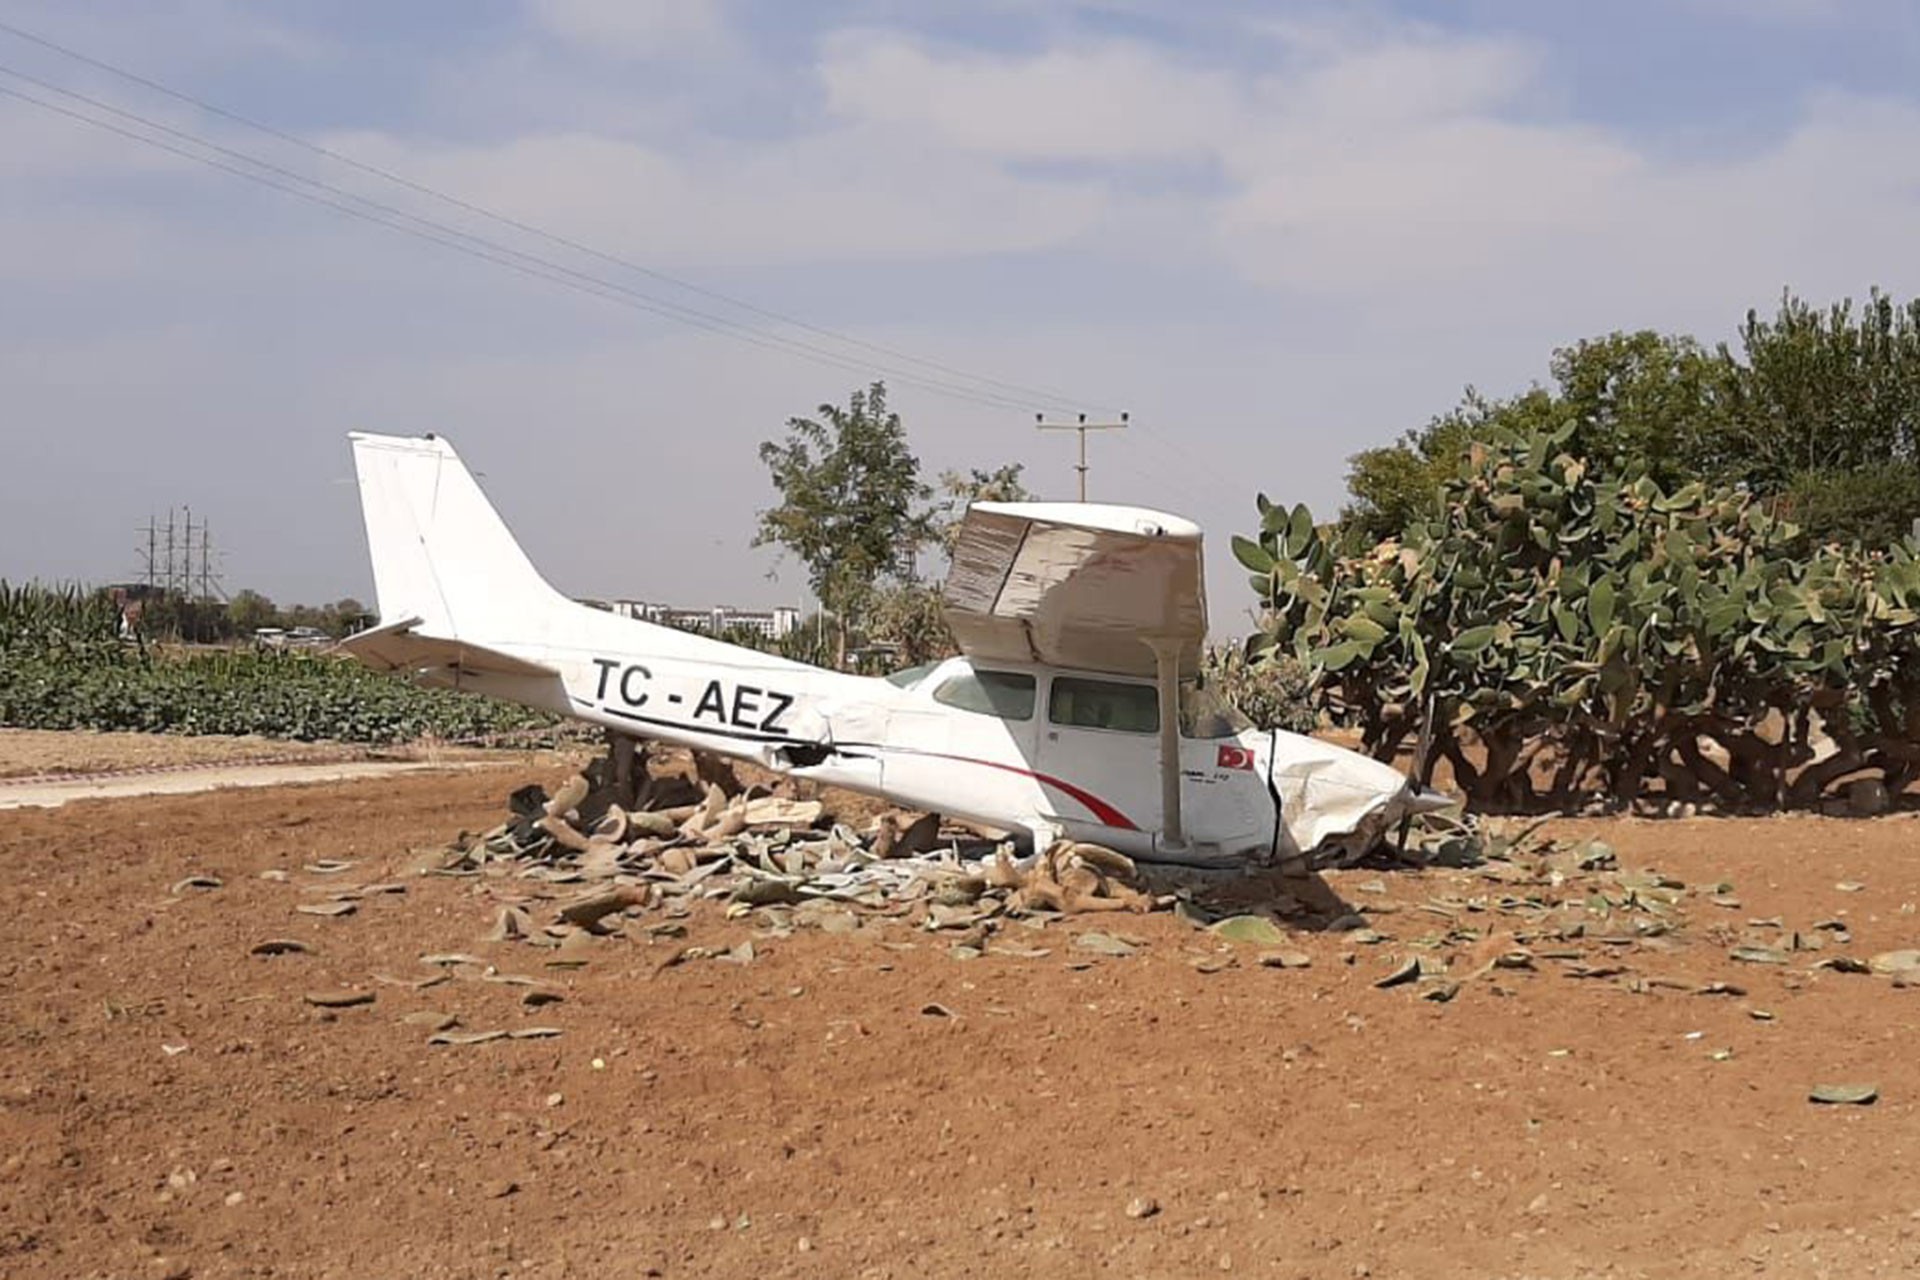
[[276, 695]]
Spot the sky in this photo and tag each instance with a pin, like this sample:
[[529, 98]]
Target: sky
[[1272, 233]]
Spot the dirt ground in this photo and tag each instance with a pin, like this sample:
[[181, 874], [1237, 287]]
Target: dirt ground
[[171, 1105], [35, 752]]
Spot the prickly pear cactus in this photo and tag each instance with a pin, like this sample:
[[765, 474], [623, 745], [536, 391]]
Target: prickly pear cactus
[[1556, 634]]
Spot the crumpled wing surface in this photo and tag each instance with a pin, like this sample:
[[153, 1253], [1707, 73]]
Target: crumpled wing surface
[[1077, 585], [397, 647]]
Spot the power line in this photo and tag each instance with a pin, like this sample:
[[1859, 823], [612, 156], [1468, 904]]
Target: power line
[[487, 250], [1020, 393], [547, 270]]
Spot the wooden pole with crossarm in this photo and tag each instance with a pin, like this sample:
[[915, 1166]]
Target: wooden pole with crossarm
[[1082, 427]]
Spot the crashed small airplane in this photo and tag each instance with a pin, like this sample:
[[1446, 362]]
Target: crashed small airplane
[[1075, 709]]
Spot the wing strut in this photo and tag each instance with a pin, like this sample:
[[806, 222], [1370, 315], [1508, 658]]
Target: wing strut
[[1166, 673]]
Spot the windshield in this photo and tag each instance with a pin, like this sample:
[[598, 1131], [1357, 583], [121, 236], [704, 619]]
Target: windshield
[[1205, 714], [911, 676]]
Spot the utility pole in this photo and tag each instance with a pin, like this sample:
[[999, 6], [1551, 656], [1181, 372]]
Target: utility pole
[[1082, 427]]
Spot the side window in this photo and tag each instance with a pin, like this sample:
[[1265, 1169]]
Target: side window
[[1006, 694], [1104, 704]]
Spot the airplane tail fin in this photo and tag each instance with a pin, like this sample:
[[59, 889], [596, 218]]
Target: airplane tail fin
[[441, 554]]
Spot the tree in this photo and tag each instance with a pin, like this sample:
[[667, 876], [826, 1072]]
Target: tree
[[249, 611], [1816, 391], [960, 490], [851, 503], [1645, 402], [1874, 507], [1818, 411], [1399, 483], [344, 617]]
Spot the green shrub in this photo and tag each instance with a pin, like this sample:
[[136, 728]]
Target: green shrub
[[1274, 694], [1555, 632]]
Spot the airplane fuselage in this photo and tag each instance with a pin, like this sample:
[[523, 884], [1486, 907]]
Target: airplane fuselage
[[1019, 747]]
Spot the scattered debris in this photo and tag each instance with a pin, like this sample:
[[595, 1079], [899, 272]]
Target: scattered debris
[[1406, 971], [1104, 944], [782, 860], [1255, 929], [338, 999], [1894, 962]]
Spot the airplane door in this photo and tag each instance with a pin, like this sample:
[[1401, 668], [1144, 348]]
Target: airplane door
[[1098, 758], [1224, 798], [967, 754]]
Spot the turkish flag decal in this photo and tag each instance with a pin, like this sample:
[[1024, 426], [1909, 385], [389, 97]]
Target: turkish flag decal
[[1232, 757]]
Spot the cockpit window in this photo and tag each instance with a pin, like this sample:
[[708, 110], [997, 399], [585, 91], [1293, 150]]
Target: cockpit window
[[1006, 694], [911, 676], [1104, 704]]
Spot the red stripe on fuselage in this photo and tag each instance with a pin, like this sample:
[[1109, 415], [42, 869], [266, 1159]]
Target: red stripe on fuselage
[[1105, 813]]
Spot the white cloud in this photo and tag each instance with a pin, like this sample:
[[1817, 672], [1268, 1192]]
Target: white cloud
[[636, 29], [837, 197], [1384, 211], [1104, 102]]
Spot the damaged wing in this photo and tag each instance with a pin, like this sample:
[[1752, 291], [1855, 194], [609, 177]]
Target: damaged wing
[[1076, 585]]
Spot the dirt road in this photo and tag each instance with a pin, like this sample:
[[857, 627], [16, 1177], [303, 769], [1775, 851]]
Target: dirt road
[[171, 1105], [42, 793]]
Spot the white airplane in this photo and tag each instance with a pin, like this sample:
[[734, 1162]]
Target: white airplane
[[1073, 711]]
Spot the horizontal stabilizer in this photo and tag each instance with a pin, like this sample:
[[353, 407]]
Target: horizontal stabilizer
[[396, 647]]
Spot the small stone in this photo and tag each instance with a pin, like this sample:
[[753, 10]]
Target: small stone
[[338, 999], [500, 1189], [1286, 960], [1895, 961], [803, 1245], [555, 1099], [1853, 1095], [1406, 971], [236, 1198], [1142, 1207], [1255, 929]]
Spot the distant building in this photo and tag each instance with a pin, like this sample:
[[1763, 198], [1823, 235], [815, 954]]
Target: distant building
[[773, 624]]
